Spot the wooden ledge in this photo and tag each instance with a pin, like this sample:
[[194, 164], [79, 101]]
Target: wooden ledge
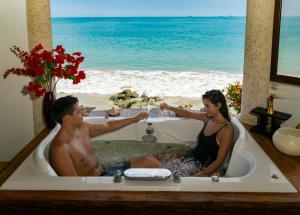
[[21, 156], [3, 165]]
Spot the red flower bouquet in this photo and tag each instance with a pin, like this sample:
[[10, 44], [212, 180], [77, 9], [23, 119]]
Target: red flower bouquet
[[46, 68], [233, 95]]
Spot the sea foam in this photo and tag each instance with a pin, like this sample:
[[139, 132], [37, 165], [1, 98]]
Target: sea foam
[[190, 84]]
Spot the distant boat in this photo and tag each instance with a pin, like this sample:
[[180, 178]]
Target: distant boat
[[226, 17]]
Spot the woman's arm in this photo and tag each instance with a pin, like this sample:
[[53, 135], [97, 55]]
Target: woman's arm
[[226, 142], [185, 113]]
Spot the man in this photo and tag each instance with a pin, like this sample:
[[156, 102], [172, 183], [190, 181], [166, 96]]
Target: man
[[71, 152]]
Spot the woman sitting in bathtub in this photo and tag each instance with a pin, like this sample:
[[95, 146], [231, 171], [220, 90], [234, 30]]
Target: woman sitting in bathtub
[[214, 140]]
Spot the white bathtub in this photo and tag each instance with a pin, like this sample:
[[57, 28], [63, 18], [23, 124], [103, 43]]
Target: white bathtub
[[250, 169]]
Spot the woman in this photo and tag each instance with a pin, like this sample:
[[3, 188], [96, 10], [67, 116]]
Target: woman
[[214, 140]]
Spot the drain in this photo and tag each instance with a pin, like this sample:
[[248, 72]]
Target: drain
[[274, 176], [215, 178], [107, 142], [117, 177], [176, 176]]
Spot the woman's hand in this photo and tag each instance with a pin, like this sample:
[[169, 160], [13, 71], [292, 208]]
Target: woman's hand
[[164, 106], [200, 174]]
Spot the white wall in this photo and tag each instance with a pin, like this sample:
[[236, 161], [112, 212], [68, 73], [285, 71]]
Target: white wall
[[16, 118], [287, 99]]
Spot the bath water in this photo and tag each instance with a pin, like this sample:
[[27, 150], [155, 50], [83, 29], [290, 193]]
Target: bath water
[[111, 151]]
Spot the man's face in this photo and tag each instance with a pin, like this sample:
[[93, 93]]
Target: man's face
[[77, 117]]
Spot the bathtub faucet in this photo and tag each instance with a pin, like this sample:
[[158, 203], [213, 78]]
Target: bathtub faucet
[[149, 137]]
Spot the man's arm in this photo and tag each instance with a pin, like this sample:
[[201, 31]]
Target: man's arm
[[62, 162], [97, 129]]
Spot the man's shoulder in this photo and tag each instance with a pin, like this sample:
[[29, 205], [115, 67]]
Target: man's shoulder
[[60, 142], [59, 148], [84, 127]]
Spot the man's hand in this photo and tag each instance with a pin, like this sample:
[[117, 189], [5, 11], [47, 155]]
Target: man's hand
[[142, 115]]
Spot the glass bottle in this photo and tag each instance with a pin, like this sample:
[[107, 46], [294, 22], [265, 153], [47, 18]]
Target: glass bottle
[[270, 110]]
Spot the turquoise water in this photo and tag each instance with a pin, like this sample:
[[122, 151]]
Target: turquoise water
[[157, 43], [111, 151], [115, 150]]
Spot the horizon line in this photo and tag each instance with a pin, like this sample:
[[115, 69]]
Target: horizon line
[[139, 16]]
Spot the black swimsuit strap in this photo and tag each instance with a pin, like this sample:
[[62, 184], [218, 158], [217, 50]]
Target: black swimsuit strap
[[222, 128], [215, 133]]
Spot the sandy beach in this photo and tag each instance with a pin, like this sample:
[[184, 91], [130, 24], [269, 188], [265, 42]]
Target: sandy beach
[[102, 102], [175, 88]]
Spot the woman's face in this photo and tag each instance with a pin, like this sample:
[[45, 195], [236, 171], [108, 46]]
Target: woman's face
[[210, 108]]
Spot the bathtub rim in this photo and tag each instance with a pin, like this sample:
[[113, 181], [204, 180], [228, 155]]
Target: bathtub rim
[[133, 189], [42, 162], [104, 200]]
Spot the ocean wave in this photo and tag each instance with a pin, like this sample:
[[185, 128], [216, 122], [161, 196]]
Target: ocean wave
[[191, 84]]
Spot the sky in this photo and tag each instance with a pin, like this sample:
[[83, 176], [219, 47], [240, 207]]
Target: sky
[[131, 8]]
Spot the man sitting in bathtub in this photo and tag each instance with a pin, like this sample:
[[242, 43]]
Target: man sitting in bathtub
[[71, 152]]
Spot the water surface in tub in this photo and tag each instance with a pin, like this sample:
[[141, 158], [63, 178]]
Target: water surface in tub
[[110, 151]]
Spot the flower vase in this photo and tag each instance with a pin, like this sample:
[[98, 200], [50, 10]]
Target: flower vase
[[270, 110], [48, 102]]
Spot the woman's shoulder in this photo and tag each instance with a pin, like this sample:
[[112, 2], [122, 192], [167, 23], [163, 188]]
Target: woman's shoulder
[[227, 130]]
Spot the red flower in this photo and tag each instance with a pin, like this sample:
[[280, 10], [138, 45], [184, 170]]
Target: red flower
[[76, 81], [70, 58], [77, 53], [47, 56], [233, 94], [59, 59], [37, 48], [47, 66], [59, 49], [79, 59], [81, 75], [30, 86]]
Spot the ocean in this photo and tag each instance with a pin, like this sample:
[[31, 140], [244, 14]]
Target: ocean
[[165, 56]]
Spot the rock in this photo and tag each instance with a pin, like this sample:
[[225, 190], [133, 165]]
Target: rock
[[113, 112], [129, 98], [86, 110]]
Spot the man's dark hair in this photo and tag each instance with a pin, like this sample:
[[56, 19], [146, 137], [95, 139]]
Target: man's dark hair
[[63, 106]]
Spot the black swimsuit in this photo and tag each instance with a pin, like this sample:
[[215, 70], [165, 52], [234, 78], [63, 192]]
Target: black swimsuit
[[201, 156], [207, 148]]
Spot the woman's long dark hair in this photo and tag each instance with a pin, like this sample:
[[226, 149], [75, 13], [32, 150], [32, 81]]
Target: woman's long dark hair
[[216, 96]]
